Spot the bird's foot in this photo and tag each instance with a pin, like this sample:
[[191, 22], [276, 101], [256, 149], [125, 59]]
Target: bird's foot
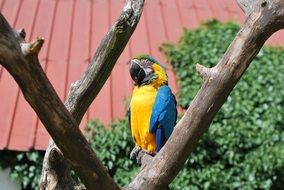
[[134, 153], [140, 155]]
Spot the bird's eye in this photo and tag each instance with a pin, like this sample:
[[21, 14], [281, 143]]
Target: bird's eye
[[148, 70]]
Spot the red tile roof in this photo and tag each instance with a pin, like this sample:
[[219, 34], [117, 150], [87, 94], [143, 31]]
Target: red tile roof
[[73, 30]]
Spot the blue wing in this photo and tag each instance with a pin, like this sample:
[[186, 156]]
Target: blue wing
[[164, 115]]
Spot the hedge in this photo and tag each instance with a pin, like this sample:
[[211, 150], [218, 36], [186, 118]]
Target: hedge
[[244, 147]]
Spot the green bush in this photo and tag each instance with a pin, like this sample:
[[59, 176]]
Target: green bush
[[244, 147], [113, 148], [25, 166]]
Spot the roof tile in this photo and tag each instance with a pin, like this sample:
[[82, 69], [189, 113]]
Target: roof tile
[[22, 133], [9, 95]]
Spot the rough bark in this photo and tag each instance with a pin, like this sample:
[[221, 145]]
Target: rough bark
[[84, 91], [21, 61], [263, 19]]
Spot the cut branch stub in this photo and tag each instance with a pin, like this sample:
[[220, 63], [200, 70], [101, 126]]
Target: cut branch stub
[[246, 5], [32, 48], [249, 6], [263, 19], [28, 48], [36, 46], [254, 6], [203, 71]]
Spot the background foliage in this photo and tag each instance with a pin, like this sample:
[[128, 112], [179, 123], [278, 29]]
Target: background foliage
[[244, 147], [25, 166], [113, 148]]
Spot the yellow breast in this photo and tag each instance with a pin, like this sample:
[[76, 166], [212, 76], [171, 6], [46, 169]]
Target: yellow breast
[[141, 105]]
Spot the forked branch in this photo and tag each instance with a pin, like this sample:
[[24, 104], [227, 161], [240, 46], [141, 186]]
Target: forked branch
[[21, 60], [26, 70], [83, 91]]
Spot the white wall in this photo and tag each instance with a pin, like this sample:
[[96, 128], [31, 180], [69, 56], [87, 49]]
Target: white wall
[[6, 183]]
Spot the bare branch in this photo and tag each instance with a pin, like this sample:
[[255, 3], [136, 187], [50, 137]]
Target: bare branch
[[263, 19], [38, 91], [79, 99], [84, 91]]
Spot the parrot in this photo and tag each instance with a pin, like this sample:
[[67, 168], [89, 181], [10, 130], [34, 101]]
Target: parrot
[[152, 112]]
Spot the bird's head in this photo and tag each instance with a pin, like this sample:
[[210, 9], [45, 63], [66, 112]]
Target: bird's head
[[144, 69]]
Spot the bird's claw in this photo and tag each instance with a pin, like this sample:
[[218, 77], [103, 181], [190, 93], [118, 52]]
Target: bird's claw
[[134, 153], [137, 153]]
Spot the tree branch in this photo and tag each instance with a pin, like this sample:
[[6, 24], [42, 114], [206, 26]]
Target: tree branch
[[263, 19], [21, 61], [84, 91], [26, 70]]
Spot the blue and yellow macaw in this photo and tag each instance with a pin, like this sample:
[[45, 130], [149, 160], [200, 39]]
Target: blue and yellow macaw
[[152, 113]]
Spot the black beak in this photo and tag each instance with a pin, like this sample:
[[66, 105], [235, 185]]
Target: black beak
[[137, 73]]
